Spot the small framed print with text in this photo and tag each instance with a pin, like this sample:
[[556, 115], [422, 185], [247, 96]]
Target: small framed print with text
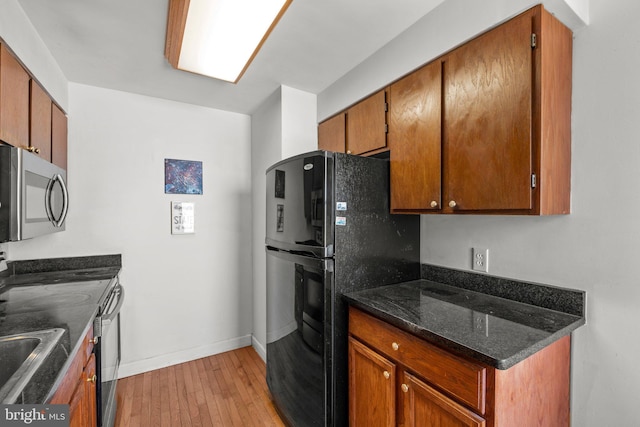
[[183, 218]]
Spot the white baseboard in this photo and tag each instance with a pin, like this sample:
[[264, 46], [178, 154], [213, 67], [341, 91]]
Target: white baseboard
[[162, 361], [259, 348]]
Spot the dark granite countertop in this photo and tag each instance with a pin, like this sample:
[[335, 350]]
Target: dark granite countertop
[[496, 331], [60, 293]]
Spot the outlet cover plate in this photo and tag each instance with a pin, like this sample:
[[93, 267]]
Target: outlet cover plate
[[480, 259]]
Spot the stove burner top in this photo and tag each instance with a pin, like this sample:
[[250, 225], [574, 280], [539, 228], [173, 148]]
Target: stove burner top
[[21, 299], [68, 299]]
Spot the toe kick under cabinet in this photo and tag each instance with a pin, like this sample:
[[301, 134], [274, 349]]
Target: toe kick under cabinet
[[398, 379]]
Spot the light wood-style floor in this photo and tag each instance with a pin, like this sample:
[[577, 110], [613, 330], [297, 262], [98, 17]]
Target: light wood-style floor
[[227, 389]]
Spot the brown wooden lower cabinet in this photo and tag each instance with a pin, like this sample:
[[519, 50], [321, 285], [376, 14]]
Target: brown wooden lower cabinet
[[425, 406], [78, 387], [398, 379], [372, 387]]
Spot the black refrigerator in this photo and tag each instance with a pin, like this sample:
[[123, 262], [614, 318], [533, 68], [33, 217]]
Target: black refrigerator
[[329, 231]]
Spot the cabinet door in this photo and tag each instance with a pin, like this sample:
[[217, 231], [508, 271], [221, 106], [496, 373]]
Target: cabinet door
[[90, 379], [367, 124], [14, 100], [77, 410], [82, 406], [331, 134], [58, 137], [372, 387], [425, 406], [415, 111], [40, 123], [487, 151]]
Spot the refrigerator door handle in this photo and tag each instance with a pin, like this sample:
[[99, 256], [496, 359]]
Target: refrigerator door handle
[[317, 251], [305, 260]]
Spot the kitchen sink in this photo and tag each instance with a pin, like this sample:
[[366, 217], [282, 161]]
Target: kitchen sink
[[22, 355]]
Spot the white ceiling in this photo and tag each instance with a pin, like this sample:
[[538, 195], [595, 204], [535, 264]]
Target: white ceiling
[[119, 44]]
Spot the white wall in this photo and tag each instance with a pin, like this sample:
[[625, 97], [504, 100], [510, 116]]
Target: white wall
[[299, 125], [282, 126], [594, 248], [266, 149], [187, 296]]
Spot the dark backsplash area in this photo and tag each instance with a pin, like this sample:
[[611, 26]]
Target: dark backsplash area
[[59, 264], [565, 300]]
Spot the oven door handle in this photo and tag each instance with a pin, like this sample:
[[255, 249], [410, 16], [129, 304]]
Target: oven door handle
[[108, 318]]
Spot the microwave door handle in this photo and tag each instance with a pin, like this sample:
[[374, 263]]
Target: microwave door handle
[[65, 201], [48, 205], [108, 318]]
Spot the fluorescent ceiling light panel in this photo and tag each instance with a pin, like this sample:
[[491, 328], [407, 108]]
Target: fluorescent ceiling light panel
[[219, 37]]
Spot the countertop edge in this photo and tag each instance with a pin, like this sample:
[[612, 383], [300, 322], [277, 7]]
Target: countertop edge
[[534, 348]]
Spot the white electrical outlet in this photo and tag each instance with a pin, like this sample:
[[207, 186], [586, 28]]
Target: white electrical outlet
[[480, 323], [480, 259]]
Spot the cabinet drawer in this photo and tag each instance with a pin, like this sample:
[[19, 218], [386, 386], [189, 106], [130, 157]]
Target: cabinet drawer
[[460, 378]]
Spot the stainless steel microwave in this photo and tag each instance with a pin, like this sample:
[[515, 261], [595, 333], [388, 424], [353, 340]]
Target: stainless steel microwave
[[33, 195]]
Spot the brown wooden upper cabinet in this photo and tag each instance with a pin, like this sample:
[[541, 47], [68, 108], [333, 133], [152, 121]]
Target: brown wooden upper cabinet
[[415, 106], [488, 120], [40, 123], [361, 129], [504, 125], [29, 119], [367, 124], [14, 100], [48, 136], [332, 134], [58, 137]]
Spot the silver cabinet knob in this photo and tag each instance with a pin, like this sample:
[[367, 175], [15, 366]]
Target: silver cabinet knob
[[404, 387], [386, 374], [434, 204], [395, 346], [453, 204], [348, 151]]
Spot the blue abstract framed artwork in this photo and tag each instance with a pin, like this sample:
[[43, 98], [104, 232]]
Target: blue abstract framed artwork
[[182, 177]]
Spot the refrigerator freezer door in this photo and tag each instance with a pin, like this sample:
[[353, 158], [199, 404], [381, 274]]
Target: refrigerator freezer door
[[299, 204]]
